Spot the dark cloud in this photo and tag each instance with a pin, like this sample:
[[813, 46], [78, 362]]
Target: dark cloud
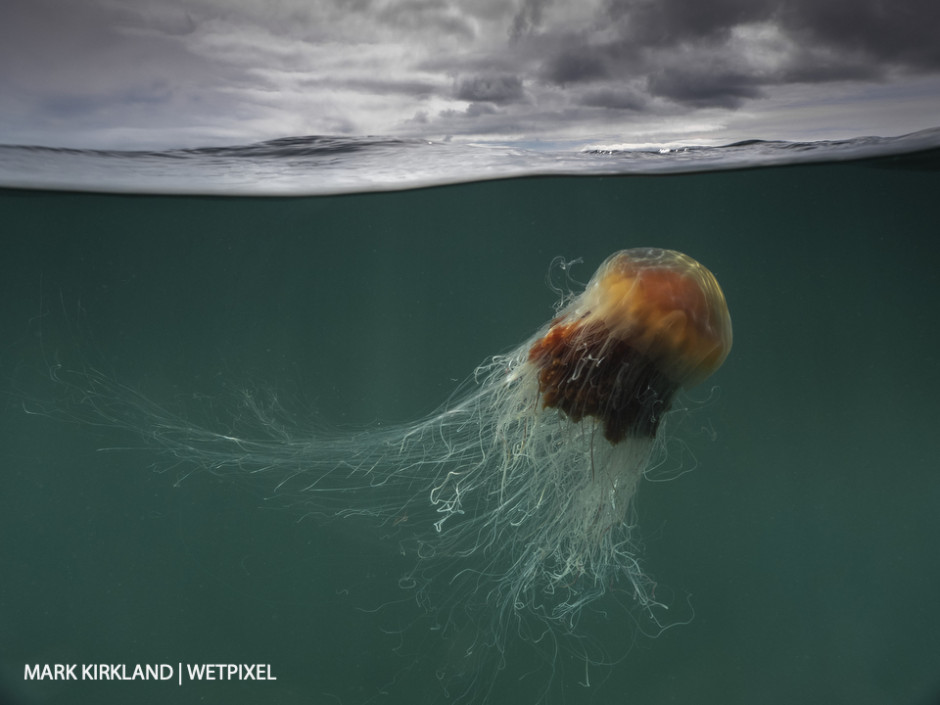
[[572, 66], [478, 109], [614, 99], [722, 53], [903, 33], [704, 87], [669, 22]]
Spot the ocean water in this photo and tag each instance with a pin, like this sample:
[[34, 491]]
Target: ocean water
[[799, 556]]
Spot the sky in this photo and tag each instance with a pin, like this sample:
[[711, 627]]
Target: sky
[[127, 74]]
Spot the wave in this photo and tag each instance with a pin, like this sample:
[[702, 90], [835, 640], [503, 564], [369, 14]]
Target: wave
[[322, 165]]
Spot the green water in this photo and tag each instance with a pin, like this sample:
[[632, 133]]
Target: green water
[[805, 540]]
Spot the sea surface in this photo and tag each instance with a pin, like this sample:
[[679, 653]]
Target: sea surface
[[323, 165], [798, 553]]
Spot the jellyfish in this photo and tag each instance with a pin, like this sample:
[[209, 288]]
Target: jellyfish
[[514, 500]]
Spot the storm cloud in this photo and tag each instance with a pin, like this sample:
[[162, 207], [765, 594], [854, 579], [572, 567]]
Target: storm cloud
[[144, 73]]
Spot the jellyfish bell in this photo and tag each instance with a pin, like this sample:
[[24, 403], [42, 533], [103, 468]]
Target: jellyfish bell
[[648, 322], [669, 306]]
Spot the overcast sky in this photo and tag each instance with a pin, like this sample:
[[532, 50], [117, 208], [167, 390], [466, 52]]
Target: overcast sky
[[166, 73]]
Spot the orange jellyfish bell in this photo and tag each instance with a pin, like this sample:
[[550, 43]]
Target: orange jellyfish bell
[[650, 321]]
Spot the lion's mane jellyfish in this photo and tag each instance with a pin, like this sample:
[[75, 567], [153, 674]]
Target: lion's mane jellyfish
[[592, 393], [514, 500]]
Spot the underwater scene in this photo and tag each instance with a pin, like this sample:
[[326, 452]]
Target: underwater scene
[[357, 436]]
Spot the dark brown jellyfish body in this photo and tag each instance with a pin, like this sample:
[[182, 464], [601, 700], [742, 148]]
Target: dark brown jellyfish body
[[649, 322]]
